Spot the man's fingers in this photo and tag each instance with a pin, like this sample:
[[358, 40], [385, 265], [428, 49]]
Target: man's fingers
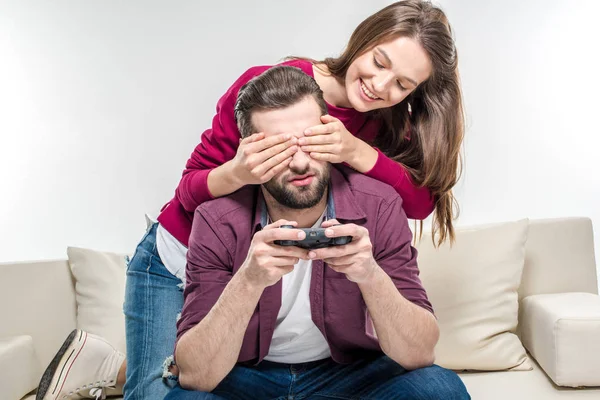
[[357, 232], [342, 269], [340, 261], [275, 233], [329, 222], [279, 223], [289, 251], [284, 261], [333, 252]]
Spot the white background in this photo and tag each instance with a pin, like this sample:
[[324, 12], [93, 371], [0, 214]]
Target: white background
[[101, 103], [530, 73]]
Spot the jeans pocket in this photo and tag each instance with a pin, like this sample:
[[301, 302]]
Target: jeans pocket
[[144, 249], [149, 229], [127, 262]]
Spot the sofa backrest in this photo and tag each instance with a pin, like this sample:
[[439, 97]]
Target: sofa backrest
[[38, 299], [559, 257]]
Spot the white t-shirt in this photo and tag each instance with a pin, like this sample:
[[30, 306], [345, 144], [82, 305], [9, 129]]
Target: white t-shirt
[[296, 338], [172, 252]]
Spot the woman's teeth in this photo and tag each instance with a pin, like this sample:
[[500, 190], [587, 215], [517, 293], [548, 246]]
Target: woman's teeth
[[368, 92]]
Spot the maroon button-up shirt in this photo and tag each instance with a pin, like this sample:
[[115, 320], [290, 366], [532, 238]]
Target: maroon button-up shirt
[[221, 235]]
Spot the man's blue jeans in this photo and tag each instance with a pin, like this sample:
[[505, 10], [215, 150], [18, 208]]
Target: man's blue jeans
[[375, 378], [153, 299]]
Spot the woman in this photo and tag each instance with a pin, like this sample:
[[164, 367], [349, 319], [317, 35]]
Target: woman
[[395, 114]]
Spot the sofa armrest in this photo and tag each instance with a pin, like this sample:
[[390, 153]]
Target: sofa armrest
[[562, 331], [20, 367]]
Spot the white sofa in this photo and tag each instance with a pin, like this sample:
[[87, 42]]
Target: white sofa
[[38, 310]]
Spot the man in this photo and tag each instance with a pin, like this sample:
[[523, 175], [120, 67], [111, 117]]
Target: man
[[261, 320]]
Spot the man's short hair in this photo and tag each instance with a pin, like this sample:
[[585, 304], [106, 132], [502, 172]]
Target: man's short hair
[[276, 88]]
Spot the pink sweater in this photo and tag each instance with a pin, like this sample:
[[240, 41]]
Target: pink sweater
[[219, 144]]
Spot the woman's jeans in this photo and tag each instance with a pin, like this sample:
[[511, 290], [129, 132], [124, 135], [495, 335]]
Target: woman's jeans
[[376, 378], [153, 300]]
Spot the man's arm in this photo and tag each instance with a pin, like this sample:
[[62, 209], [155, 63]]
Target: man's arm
[[218, 307], [206, 353], [407, 333], [406, 328]]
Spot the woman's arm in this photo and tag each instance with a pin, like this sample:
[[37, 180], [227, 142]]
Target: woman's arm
[[213, 170], [332, 142], [218, 145], [417, 202]]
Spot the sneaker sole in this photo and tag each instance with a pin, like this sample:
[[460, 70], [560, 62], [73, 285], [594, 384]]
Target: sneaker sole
[[56, 373]]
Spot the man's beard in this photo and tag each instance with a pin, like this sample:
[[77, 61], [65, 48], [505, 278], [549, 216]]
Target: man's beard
[[299, 197]]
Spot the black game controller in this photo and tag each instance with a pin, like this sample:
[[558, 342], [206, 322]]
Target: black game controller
[[315, 239]]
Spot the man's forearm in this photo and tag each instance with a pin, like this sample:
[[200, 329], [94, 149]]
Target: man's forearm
[[207, 352], [407, 333]]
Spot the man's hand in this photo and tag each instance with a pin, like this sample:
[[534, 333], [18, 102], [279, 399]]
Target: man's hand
[[208, 351], [267, 262], [354, 259]]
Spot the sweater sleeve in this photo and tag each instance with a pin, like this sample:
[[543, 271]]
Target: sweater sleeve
[[417, 202], [218, 145]]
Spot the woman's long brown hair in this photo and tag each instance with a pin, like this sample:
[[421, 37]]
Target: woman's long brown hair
[[424, 132]]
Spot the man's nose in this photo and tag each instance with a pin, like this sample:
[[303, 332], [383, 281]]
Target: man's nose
[[300, 161]]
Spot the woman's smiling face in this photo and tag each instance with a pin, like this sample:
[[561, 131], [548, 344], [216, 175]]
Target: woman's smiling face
[[384, 75]]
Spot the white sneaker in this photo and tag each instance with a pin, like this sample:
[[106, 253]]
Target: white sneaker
[[86, 366]]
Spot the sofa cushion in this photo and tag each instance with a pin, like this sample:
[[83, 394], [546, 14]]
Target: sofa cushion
[[100, 292], [523, 385], [20, 367], [473, 288], [562, 332]]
